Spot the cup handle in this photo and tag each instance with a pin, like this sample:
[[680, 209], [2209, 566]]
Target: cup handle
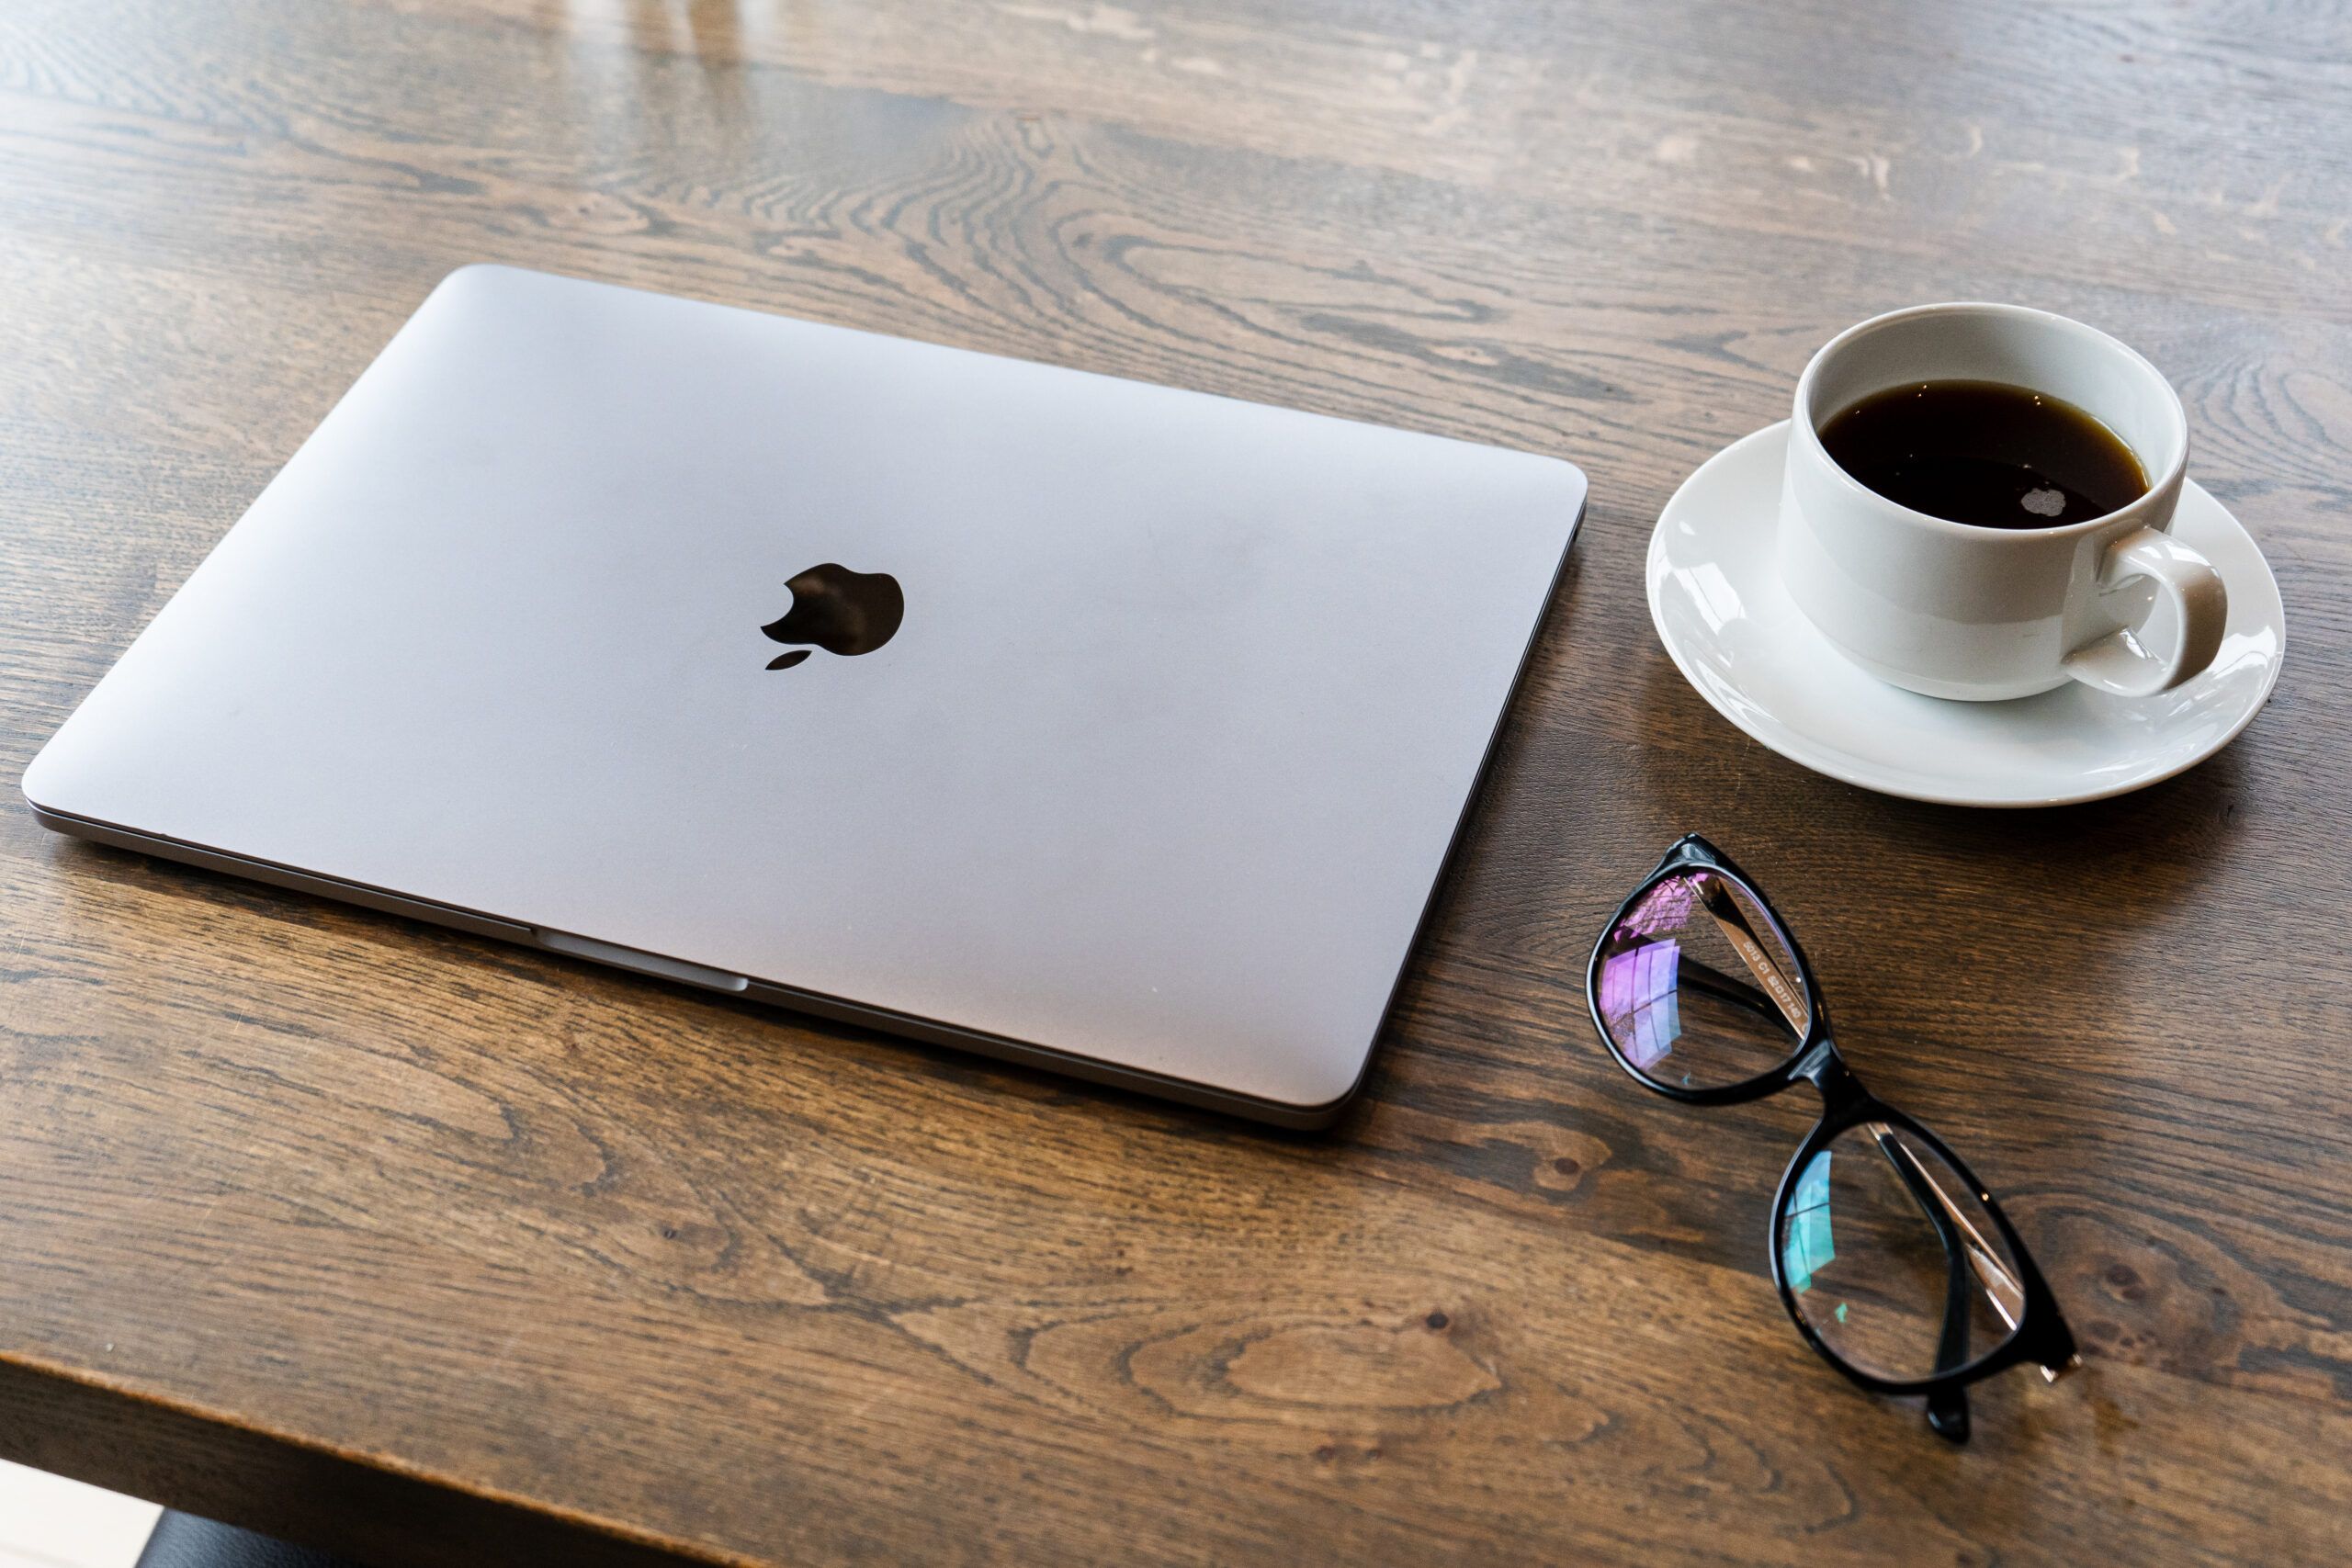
[[2117, 662]]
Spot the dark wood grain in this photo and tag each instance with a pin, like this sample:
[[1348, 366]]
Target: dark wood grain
[[447, 1253]]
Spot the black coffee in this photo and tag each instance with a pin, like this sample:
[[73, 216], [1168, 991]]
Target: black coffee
[[1986, 453]]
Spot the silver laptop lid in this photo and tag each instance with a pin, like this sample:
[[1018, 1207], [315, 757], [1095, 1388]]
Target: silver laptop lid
[[1185, 703]]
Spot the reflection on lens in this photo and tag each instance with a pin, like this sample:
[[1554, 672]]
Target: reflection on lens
[[1892, 1260], [1698, 989]]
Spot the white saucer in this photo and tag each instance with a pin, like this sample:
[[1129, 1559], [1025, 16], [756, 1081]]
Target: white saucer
[[1731, 630]]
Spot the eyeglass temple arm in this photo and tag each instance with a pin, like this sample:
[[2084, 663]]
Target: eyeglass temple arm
[[1779, 991], [1701, 976], [2001, 1287], [1947, 1407]]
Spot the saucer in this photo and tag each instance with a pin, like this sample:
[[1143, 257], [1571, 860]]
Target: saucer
[[1730, 628]]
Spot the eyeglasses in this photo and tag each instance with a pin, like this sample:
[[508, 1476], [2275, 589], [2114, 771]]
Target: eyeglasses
[[1892, 1260]]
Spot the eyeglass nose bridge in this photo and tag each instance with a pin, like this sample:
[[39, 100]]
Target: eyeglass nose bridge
[[1843, 1097]]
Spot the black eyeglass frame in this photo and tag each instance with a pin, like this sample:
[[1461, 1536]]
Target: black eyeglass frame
[[2040, 1335]]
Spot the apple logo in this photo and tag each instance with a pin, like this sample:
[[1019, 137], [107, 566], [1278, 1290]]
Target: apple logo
[[839, 610]]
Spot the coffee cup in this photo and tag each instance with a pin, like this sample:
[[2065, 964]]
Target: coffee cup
[[1959, 610]]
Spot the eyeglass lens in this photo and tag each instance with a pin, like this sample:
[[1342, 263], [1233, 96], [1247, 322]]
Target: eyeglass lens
[[1698, 989], [1891, 1259]]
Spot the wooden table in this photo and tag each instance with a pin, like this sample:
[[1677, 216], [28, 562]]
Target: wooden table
[[438, 1251]]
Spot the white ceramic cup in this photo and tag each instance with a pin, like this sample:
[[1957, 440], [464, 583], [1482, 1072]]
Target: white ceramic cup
[[1955, 610]]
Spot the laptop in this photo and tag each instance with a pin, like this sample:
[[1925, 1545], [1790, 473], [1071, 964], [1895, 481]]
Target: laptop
[[1060, 717]]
